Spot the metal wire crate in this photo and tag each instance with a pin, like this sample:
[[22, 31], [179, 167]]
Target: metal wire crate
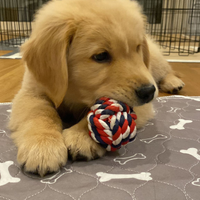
[[174, 24], [16, 18]]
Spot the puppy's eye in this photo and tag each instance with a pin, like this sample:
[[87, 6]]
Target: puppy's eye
[[102, 57], [138, 48]]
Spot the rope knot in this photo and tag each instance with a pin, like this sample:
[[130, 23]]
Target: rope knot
[[111, 123]]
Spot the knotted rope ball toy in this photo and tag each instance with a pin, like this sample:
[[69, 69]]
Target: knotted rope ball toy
[[111, 123]]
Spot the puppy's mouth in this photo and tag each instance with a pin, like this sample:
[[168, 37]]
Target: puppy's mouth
[[121, 99], [138, 97]]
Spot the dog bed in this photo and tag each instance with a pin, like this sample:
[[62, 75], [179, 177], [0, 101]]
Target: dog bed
[[162, 163]]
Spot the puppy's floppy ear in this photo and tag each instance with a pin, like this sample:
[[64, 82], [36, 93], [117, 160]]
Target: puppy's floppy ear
[[45, 54], [145, 52]]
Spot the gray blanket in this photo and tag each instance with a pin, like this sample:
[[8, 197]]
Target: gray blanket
[[163, 163]]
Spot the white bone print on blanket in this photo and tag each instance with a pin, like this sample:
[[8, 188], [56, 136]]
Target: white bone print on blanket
[[173, 110], [53, 179], [180, 125], [191, 151], [124, 160], [5, 176], [157, 137], [143, 176], [196, 183]]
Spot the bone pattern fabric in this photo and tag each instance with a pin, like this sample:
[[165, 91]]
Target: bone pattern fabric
[[162, 163]]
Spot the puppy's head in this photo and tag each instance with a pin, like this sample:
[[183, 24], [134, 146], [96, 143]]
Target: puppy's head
[[83, 50]]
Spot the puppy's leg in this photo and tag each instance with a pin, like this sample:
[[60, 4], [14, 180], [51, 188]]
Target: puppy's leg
[[80, 144], [162, 72], [37, 132], [171, 83]]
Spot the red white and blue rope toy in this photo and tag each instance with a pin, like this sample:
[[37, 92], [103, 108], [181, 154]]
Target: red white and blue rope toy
[[111, 123]]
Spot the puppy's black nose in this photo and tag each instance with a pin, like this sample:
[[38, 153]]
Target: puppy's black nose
[[146, 93]]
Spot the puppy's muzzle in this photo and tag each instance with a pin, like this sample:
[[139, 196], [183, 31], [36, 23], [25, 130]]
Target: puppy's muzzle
[[145, 93]]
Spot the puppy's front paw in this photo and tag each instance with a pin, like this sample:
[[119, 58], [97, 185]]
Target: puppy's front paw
[[80, 145], [171, 84], [44, 153]]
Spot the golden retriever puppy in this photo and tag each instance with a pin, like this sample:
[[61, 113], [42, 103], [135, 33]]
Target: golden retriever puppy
[[79, 51]]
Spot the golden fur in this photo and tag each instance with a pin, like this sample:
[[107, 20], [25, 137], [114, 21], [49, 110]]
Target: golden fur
[[61, 77]]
